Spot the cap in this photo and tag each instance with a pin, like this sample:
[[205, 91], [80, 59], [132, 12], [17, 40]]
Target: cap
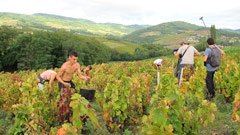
[[183, 43]]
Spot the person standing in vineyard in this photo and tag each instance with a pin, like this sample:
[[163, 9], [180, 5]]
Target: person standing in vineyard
[[186, 55], [65, 74], [47, 76], [212, 59]]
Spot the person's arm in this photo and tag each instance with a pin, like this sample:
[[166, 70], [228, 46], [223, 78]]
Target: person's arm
[[205, 58], [80, 75], [156, 65], [88, 73], [59, 74], [52, 77], [223, 53], [197, 53], [206, 54]]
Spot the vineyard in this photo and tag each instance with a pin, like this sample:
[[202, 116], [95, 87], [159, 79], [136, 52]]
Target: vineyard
[[127, 101]]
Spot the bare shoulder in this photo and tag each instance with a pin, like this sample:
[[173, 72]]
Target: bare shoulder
[[63, 67], [77, 65]]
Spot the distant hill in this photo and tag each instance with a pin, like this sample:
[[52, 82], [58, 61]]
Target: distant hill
[[231, 30], [166, 34], [172, 33], [119, 45], [55, 22]]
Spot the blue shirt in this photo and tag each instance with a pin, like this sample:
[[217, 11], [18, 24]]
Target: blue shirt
[[208, 53]]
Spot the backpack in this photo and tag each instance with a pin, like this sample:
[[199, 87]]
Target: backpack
[[215, 59]]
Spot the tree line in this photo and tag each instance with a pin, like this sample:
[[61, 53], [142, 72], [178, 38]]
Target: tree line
[[28, 49], [33, 49], [140, 53]]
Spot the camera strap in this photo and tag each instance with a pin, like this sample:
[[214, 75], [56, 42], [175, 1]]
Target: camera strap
[[185, 50]]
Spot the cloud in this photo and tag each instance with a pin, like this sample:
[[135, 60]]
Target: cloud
[[220, 13]]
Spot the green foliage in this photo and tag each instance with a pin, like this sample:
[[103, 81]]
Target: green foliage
[[6, 121], [141, 54], [34, 52], [213, 33], [227, 78], [7, 48], [202, 45], [38, 49], [156, 50], [129, 100], [31, 49], [81, 107]]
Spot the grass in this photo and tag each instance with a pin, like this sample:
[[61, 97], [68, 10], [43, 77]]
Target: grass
[[120, 46], [6, 121]]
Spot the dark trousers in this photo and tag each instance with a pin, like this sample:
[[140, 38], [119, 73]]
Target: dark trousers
[[210, 83]]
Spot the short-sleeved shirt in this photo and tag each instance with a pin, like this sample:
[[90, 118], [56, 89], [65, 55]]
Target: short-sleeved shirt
[[208, 53], [158, 62], [188, 57], [46, 75]]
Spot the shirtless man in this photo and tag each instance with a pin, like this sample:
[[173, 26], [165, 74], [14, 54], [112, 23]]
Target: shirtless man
[[67, 70]]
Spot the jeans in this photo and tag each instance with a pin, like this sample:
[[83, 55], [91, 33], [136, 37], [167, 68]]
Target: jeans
[[210, 83]]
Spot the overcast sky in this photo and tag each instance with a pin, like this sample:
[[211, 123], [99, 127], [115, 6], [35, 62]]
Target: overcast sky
[[222, 14]]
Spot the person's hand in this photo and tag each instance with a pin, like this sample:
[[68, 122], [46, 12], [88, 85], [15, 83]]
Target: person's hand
[[51, 92], [67, 85], [87, 78]]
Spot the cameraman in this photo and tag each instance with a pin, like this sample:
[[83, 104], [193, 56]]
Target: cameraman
[[186, 55]]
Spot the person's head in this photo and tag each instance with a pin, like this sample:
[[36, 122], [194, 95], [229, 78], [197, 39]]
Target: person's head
[[88, 68], [72, 57], [210, 41], [183, 43]]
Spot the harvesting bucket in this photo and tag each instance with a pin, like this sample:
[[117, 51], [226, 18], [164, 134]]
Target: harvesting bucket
[[88, 93]]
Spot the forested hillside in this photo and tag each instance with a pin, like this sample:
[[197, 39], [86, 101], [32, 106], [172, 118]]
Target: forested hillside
[[38, 49], [74, 25], [172, 33]]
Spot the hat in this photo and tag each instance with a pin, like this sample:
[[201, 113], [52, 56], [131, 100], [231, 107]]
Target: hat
[[183, 43]]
